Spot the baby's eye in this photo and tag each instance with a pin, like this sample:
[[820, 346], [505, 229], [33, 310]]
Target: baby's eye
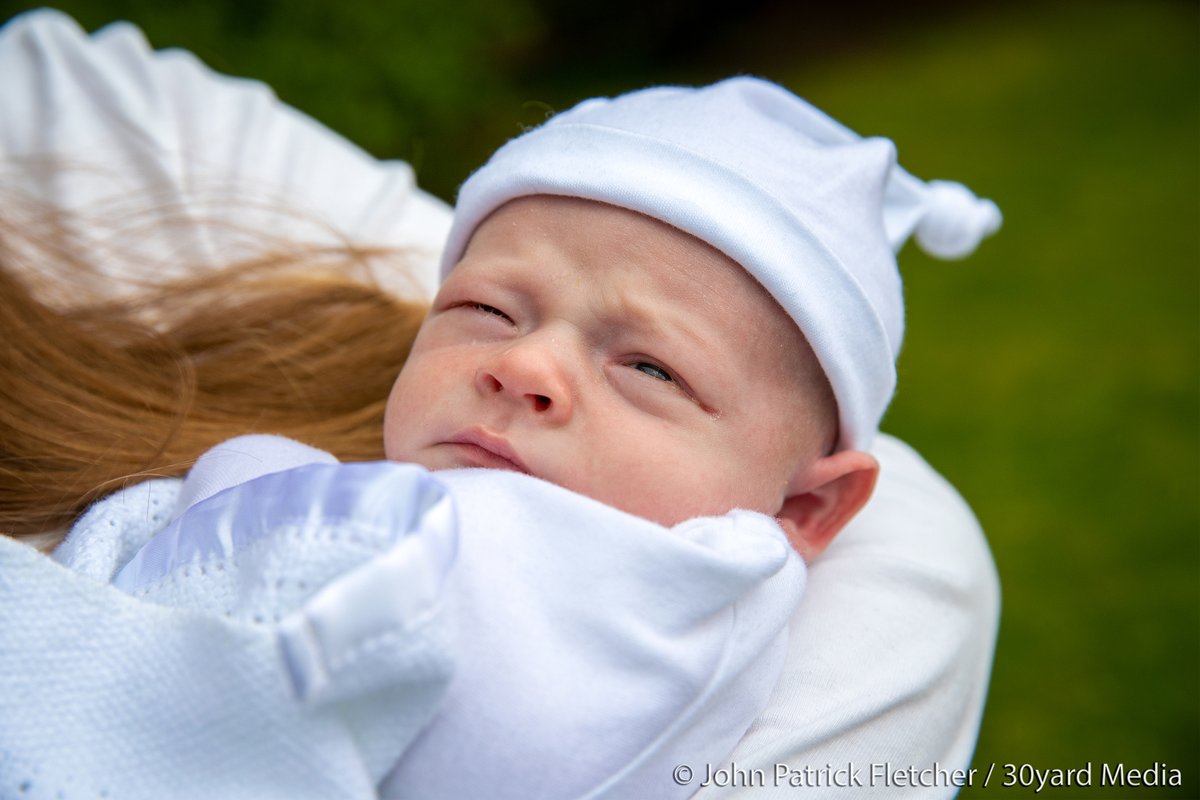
[[485, 308], [653, 370]]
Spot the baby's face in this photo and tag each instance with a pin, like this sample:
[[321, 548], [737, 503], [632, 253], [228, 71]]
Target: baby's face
[[611, 354]]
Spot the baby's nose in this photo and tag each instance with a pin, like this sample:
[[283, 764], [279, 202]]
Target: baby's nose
[[530, 375]]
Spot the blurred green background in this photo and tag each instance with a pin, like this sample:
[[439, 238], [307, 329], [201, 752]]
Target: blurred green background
[[1054, 377]]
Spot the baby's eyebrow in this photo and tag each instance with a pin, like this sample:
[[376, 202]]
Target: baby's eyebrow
[[667, 319]]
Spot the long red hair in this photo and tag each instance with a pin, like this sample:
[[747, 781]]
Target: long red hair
[[97, 393]]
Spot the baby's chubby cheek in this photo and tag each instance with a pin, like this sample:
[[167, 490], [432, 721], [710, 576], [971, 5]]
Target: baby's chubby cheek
[[403, 417], [673, 494]]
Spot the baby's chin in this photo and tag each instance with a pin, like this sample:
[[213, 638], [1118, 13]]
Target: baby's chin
[[460, 457], [651, 507], [646, 505]]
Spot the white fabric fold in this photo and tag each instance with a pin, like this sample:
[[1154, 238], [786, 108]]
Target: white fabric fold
[[607, 649], [105, 695]]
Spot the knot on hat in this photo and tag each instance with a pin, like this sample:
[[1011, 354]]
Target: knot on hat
[[955, 220]]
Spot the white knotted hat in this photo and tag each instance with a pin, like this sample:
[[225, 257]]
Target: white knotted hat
[[808, 207]]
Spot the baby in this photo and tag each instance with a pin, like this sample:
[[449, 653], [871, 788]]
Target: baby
[[609, 353], [679, 302], [679, 311]]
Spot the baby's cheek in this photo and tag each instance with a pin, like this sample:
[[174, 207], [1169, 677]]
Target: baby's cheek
[[406, 412], [753, 479], [636, 487], [699, 489]]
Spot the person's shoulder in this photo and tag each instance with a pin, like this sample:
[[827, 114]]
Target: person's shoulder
[[915, 504], [44, 30], [41, 21]]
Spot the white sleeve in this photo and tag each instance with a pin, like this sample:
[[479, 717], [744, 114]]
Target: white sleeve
[[86, 120], [891, 650]]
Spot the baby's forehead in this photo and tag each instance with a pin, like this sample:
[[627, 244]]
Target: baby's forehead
[[656, 262], [688, 269]]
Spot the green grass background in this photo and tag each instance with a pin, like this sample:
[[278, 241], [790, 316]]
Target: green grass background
[[1054, 377]]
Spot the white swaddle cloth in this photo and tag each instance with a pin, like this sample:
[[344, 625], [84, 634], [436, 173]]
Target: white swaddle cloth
[[590, 651]]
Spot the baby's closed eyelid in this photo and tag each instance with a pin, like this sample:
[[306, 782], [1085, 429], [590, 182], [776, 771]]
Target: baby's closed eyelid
[[487, 308], [469, 303]]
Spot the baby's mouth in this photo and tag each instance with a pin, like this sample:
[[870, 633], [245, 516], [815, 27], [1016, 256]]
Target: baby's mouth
[[477, 447]]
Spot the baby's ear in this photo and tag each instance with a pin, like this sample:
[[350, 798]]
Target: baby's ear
[[823, 497]]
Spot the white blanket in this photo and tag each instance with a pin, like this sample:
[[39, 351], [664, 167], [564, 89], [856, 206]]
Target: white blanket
[[559, 630]]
